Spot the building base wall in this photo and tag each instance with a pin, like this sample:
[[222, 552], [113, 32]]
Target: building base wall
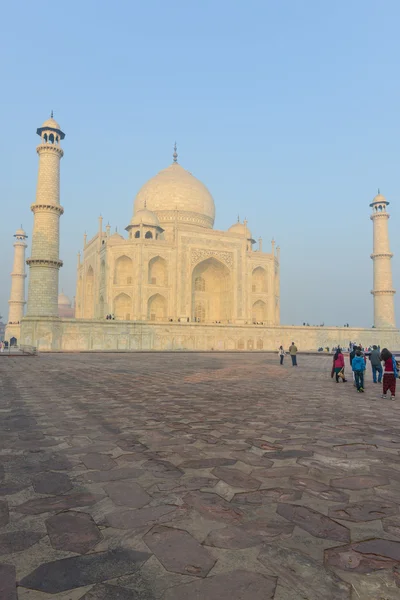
[[13, 331], [55, 334]]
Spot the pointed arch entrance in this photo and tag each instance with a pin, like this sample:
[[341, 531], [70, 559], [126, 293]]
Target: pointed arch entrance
[[157, 308], [212, 295], [122, 307]]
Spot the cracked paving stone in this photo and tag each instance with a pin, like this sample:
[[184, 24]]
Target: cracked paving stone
[[392, 525], [4, 514], [78, 571], [73, 531], [318, 489], [142, 517], [8, 586], [364, 511], [284, 454], [364, 557], [114, 475], [248, 534], [295, 471], [314, 522], [162, 468], [250, 458], [236, 478], [51, 483], [56, 503], [264, 445], [127, 493], [359, 482], [237, 585], [103, 591], [301, 576], [189, 484], [267, 496], [213, 507], [206, 463], [16, 541], [100, 462], [178, 551]]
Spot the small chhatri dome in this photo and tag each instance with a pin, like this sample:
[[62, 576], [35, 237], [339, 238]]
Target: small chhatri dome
[[240, 229], [379, 199], [63, 300], [174, 193], [145, 217], [52, 125], [20, 233]]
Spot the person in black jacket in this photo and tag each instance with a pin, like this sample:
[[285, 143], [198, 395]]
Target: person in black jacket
[[351, 356]]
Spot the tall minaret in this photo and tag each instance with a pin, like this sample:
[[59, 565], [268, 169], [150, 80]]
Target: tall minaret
[[44, 262], [383, 291], [17, 294]]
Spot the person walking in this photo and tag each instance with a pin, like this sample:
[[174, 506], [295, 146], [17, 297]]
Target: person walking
[[390, 374], [358, 366], [338, 365], [376, 365], [293, 352], [281, 353]]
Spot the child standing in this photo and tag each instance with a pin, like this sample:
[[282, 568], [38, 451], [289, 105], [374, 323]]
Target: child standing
[[358, 366], [390, 374], [281, 353]]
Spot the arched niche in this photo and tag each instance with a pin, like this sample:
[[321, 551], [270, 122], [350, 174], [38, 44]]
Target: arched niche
[[259, 280], [157, 308], [212, 291], [101, 307], [89, 294], [122, 307], [123, 270], [259, 312], [158, 272]]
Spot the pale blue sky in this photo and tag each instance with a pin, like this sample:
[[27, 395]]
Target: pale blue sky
[[287, 110]]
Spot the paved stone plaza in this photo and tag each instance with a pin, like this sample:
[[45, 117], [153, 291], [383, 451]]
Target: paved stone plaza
[[195, 476]]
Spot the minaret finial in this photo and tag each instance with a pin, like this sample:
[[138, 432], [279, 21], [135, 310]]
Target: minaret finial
[[379, 191], [175, 154], [51, 114]]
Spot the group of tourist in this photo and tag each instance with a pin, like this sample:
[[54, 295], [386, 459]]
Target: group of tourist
[[293, 354], [358, 360]]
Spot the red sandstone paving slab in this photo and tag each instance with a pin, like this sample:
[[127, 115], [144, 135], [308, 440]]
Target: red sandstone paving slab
[[207, 463], [392, 525], [162, 468], [267, 496], [364, 557], [250, 458], [314, 522], [78, 571], [112, 475], [51, 483], [296, 441], [110, 592], [73, 531], [236, 585], [4, 514], [236, 478], [318, 489], [57, 503], [184, 484], [285, 454], [369, 510], [143, 518], [17, 541], [248, 534], [301, 576], [359, 482], [8, 586], [213, 507], [178, 551], [263, 444], [275, 472], [127, 493], [100, 462]]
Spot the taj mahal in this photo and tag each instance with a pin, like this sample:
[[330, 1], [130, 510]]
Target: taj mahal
[[172, 281]]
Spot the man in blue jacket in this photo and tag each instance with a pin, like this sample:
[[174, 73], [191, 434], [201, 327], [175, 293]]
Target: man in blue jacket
[[358, 366]]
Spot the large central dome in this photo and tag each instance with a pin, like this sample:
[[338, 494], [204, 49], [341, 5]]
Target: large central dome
[[176, 194]]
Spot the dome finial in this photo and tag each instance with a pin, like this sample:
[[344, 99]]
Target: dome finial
[[379, 191], [51, 114], [175, 154], [238, 219], [145, 203]]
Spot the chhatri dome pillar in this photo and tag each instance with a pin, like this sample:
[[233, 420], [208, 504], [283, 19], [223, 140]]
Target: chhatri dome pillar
[[17, 294], [45, 262], [383, 291]]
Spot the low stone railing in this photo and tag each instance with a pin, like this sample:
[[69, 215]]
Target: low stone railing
[[28, 349]]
